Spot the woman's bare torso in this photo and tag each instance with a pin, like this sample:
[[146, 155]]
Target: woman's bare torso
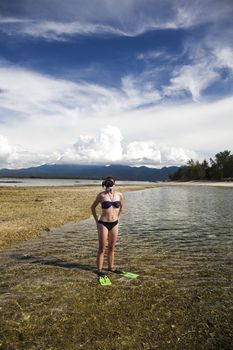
[[110, 214]]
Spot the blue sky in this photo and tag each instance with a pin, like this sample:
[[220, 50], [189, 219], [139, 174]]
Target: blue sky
[[101, 81]]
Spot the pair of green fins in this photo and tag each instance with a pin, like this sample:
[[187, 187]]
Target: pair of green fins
[[104, 280]]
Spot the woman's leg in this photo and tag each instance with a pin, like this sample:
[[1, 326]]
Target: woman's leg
[[103, 236], [112, 238]]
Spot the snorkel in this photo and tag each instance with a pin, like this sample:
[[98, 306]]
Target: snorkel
[[109, 189], [108, 184]]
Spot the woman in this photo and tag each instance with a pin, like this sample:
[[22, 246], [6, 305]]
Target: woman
[[112, 204]]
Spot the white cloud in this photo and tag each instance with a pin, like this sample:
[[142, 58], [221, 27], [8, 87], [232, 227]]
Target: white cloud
[[15, 156], [60, 19], [42, 117], [5, 150], [107, 147], [153, 153], [139, 91], [24, 90], [103, 148], [12, 20], [144, 152], [225, 57], [152, 55], [206, 62], [193, 79], [60, 30], [34, 95], [174, 155]]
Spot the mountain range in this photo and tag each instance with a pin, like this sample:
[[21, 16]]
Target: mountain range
[[120, 172]]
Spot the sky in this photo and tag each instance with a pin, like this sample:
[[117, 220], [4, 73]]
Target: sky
[[115, 81]]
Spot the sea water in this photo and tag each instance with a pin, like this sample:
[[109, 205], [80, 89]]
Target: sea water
[[180, 229], [22, 182]]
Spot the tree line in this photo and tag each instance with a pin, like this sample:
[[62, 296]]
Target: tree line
[[219, 168]]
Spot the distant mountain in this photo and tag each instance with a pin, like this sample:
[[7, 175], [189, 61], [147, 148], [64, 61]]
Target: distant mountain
[[121, 172]]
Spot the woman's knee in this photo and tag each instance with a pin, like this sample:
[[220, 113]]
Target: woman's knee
[[101, 249], [111, 248]]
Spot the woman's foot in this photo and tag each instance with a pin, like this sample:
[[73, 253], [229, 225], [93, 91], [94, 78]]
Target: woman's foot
[[100, 274], [115, 271]]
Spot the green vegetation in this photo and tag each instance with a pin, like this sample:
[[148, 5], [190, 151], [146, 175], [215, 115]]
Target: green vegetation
[[219, 168]]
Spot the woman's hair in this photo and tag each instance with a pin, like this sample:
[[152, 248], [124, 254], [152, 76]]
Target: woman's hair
[[110, 178], [109, 181]]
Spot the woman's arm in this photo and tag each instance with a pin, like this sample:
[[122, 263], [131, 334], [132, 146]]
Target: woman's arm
[[122, 207], [93, 207]]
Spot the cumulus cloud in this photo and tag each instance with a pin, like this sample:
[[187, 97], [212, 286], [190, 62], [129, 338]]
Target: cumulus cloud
[[106, 147], [177, 155], [157, 154], [153, 153], [143, 152], [17, 156]]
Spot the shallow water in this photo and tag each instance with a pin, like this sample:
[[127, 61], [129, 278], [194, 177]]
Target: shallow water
[[179, 239], [184, 226], [186, 220], [27, 182]]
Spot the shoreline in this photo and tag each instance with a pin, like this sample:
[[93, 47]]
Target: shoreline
[[197, 183], [123, 186]]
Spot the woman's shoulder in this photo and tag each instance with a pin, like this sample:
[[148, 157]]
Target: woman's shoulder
[[118, 193], [101, 194]]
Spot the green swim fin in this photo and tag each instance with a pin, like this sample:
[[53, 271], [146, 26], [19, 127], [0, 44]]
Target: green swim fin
[[104, 280], [129, 274], [125, 274]]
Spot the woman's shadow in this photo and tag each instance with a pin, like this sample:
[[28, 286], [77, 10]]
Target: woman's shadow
[[51, 261]]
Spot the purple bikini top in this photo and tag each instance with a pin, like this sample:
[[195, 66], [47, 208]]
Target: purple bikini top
[[108, 204]]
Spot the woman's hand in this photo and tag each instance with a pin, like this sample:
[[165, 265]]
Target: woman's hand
[[93, 207]]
